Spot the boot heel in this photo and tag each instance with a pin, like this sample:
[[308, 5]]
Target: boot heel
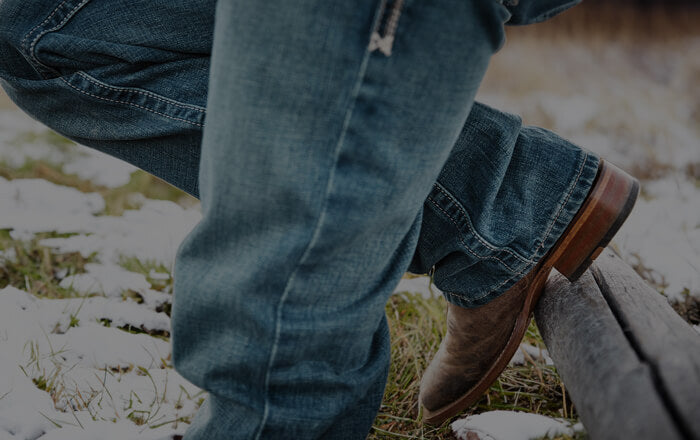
[[600, 217]]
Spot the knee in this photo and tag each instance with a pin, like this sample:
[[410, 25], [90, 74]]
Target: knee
[[14, 63]]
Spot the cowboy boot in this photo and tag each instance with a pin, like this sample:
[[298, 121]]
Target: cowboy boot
[[480, 341]]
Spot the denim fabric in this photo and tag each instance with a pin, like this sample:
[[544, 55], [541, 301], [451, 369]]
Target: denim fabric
[[535, 11], [326, 169], [504, 197], [126, 77]]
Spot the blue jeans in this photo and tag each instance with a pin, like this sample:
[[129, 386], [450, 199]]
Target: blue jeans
[[327, 167]]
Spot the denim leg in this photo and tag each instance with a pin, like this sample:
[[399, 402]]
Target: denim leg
[[126, 77], [503, 199], [317, 156]]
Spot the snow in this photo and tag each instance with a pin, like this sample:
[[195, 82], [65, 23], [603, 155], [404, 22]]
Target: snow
[[94, 309], [663, 234], [508, 425], [97, 374], [15, 130], [151, 233], [633, 96], [108, 279], [22, 139], [115, 372], [100, 168], [421, 285], [527, 351], [160, 276], [26, 203], [109, 431], [96, 346]]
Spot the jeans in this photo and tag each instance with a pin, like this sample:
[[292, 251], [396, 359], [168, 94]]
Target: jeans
[[341, 147]]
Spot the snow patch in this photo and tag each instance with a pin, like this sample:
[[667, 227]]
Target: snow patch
[[663, 234], [35, 205], [22, 140], [152, 233], [421, 285], [536, 353], [110, 280], [121, 430], [507, 425], [96, 309], [100, 168], [95, 346], [101, 373]]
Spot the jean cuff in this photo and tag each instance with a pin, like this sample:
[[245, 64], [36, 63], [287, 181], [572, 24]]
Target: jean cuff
[[509, 267]]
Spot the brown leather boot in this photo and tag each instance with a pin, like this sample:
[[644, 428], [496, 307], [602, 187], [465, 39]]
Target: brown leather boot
[[481, 341]]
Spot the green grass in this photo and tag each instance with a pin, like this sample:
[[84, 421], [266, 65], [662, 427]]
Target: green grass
[[38, 269], [148, 269]]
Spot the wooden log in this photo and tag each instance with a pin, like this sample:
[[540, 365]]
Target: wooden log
[[613, 389], [659, 336]]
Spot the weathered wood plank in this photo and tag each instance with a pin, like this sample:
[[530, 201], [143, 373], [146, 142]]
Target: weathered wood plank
[[612, 389], [658, 334]]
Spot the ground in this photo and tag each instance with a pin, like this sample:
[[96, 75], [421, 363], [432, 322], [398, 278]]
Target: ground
[[87, 246]]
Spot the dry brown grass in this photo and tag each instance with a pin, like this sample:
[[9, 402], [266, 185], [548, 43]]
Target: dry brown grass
[[688, 309]]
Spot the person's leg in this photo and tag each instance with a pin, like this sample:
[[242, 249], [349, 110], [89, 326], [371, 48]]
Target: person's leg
[[131, 129], [492, 234], [504, 197], [317, 156], [48, 50], [126, 77]]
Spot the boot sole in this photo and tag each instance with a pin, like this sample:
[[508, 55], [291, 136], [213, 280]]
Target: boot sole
[[605, 209]]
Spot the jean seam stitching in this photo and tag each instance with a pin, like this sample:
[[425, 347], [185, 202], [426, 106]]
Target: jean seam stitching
[[563, 205], [31, 50], [129, 103], [549, 230], [32, 54], [23, 44], [317, 227], [461, 239], [142, 92], [472, 229]]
